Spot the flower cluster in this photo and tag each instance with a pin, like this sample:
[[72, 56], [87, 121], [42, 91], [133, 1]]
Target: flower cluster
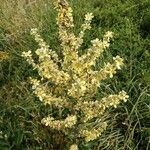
[[97, 108], [90, 135], [70, 83], [60, 125], [45, 95]]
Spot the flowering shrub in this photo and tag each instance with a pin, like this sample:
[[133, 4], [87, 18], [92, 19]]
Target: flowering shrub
[[70, 83]]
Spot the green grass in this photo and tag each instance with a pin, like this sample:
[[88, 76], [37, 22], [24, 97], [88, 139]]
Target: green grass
[[20, 110]]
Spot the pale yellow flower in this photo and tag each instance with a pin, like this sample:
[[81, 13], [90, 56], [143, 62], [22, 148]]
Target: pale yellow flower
[[27, 54], [89, 16], [119, 61], [74, 147], [109, 34]]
